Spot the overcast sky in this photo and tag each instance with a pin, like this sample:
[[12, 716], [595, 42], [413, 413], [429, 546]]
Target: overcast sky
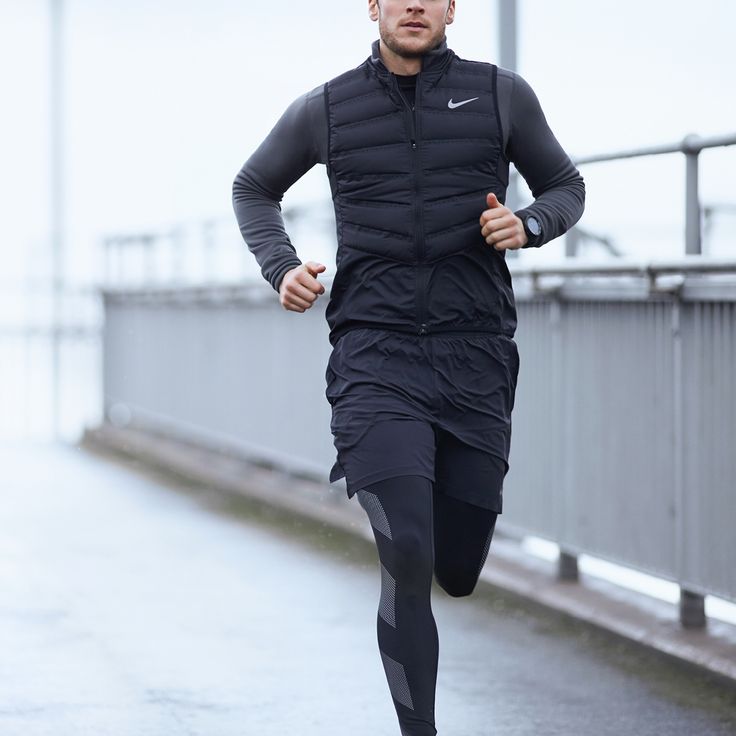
[[165, 99]]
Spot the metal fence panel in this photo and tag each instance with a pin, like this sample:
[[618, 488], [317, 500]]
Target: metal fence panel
[[623, 426], [611, 427], [534, 490], [708, 554], [236, 374]]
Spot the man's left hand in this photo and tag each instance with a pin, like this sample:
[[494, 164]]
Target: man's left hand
[[500, 227]]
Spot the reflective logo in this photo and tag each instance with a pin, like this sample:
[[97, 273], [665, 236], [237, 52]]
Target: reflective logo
[[452, 105]]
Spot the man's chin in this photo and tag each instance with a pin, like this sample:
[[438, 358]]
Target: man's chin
[[411, 51]]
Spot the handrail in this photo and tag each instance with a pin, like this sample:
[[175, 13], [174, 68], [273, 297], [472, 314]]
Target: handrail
[[625, 267], [256, 291], [690, 144]]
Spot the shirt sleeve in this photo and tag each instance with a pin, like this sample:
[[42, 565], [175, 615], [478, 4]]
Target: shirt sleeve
[[291, 149], [556, 184]]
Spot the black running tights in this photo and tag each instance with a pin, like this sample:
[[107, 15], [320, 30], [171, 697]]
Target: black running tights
[[419, 532]]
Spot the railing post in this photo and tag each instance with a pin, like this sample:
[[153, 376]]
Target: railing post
[[692, 609], [209, 250], [691, 147], [567, 566], [148, 241], [176, 240], [572, 242], [106, 269], [567, 562]]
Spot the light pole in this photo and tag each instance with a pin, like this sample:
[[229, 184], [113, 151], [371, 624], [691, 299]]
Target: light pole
[[507, 33], [507, 38], [56, 77]]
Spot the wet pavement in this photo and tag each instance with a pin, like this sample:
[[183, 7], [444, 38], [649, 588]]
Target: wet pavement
[[134, 603]]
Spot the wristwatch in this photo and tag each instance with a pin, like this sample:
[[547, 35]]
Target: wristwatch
[[533, 229]]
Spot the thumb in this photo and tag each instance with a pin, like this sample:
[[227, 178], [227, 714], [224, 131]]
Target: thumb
[[314, 267], [492, 200]]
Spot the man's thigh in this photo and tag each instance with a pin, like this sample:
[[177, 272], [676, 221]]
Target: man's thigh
[[467, 473], [386, 449], [462, 534]]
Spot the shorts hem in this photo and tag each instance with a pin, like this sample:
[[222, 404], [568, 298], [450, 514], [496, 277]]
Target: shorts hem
[[380, 475], [488, 503]]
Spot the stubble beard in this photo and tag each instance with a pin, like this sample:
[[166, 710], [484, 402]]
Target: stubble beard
[[393, 43]]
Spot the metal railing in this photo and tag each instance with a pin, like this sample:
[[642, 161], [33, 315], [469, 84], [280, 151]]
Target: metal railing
[[165, 250], [691, 146], [623, 425], [164, 338]]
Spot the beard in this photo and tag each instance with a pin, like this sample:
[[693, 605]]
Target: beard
[[409, 51]]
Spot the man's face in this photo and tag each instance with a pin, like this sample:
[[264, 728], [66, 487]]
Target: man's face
[[410, 28]]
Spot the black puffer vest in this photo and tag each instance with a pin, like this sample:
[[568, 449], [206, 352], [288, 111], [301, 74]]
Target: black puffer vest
[[409, 188]]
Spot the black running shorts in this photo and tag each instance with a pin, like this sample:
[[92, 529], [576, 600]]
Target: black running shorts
[[436, 405]]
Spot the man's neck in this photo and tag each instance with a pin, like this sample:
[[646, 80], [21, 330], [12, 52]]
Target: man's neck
[[399, 64]]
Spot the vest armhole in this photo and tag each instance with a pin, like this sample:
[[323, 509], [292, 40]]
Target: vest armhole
[[494, 85], [328, 126]]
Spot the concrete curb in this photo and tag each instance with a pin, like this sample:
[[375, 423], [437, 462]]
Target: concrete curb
[[632, 616]]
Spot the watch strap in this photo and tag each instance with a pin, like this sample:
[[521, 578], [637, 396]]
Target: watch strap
[[533, 241]]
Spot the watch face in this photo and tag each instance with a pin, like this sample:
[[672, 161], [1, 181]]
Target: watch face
[[533, 225]]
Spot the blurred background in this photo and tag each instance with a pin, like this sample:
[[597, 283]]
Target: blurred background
[[127, 119]]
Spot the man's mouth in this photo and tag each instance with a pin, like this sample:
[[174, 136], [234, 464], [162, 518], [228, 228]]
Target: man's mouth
[[414, 24]]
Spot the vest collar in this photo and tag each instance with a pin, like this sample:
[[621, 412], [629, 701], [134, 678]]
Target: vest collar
[[433, 62]]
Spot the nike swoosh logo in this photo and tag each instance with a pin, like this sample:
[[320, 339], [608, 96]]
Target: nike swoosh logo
[[452, 105]]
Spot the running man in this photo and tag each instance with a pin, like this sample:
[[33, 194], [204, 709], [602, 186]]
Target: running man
[[422, 374]]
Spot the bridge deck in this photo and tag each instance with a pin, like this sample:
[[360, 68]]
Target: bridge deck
[[135, 604]]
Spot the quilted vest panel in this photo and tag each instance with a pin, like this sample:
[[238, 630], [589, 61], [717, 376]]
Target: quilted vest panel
[[408, 189]]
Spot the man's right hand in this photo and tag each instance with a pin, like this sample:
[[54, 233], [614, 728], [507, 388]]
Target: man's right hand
[[299, 287]]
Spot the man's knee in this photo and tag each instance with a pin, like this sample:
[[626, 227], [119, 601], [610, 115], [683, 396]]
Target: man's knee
[[412, 548], [412, 556], [456, 582]]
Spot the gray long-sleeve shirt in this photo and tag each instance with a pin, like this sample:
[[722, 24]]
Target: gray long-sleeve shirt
[[299, 139]]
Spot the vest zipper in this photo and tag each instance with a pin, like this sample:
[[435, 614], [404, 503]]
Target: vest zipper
[[418, 219], [422, 274], [414, 132]]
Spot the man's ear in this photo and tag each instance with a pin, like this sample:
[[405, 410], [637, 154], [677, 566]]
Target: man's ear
[[450, 15], [373, 9]]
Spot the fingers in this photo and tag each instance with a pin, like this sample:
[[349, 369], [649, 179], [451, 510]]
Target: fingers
[[295, 304], [499, 236], [299, 288], [306, 280], [494, 224], [504, 232], [312, 270], [505, 239], [495, 214], [297, 297]]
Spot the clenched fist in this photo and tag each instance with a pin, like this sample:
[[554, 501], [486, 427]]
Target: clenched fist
[[500, 227], [299, 287]]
